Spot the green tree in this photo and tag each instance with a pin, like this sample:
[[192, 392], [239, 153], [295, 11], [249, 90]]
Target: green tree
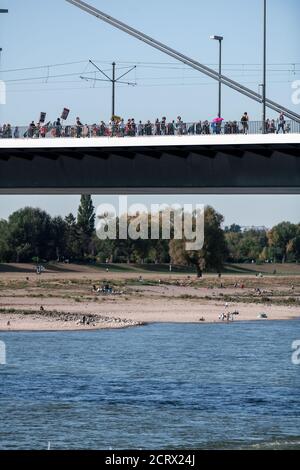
[[86, 215], [214, 251], [293, 247], [59, 237], [252, 243], [4, 246], [86, 226], [29, 234], [73, 238], [279, 238], [233, 241], [234, 228]]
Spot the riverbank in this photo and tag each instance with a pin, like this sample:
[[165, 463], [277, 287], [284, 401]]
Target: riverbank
[[86, 299]]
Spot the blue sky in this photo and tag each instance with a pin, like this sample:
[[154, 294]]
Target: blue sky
[[246, 210], [34, 34]]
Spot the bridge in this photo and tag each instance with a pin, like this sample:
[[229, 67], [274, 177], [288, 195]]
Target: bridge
[[203, 164]]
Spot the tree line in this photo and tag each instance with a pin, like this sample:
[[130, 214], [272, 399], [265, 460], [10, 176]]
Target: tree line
[[32, 235]]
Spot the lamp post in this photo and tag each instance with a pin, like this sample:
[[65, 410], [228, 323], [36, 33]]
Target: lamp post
[[220, 39], [3, 10], [264, 87]]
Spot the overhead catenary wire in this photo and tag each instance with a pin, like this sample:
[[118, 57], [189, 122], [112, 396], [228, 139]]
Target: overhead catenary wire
[[157, 85], [242, 66], [47, 77]]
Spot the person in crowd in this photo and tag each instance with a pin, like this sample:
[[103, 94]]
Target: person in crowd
[[267, 126], [43, 131], [31, 129], [163, 126], [235, 127], [133, 128], [245, 123], [78, 127], [228, 128], [37, 131], [171, 128], [214, 127], [206, 127], [16, 133], [58, 127], [281, 124], [128, 129], [157, 127], [179, 126], [102, 129], [85, 131], [198, 128], [122, 128], [94, 130], [191, 129], [272, 126], [148, 128], [140, 129]]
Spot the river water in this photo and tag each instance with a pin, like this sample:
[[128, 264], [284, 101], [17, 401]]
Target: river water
[[202, 386]]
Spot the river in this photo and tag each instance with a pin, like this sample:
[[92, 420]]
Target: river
[[194, 386]]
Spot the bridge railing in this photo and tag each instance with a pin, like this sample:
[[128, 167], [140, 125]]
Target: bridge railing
[[52, 130]]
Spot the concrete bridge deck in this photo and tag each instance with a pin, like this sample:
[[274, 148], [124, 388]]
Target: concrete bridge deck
[[158, 164]]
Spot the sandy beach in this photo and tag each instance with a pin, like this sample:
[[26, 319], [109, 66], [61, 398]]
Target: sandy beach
[[66, 300]]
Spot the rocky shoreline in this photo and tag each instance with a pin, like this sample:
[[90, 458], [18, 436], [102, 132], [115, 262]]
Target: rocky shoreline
[[53, 319]]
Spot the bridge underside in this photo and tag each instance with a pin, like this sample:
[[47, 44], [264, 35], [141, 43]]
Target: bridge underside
[[170, 169]]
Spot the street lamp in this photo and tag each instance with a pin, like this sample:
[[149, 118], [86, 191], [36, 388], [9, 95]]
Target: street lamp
[[264, 89], [220, 39], [3, 10]]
